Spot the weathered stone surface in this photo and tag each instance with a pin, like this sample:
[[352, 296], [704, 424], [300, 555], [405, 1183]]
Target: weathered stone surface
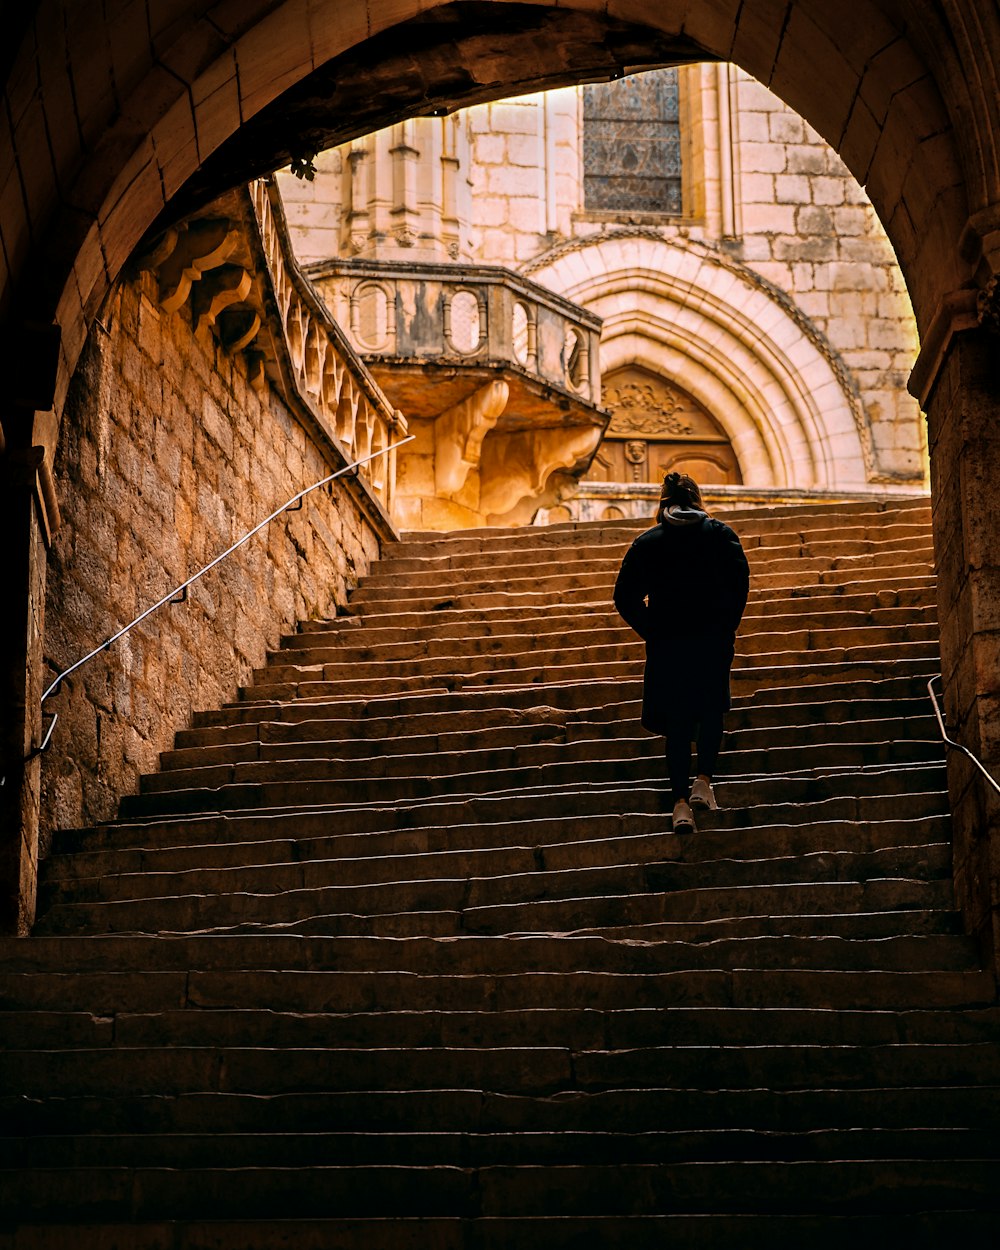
[[169, 465]]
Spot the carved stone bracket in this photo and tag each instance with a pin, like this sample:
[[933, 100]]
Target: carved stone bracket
[[459, 432], [189, 253], [237, 328], [237, 269], [518, 467], [218, 290], [976, 306], [958, 311]]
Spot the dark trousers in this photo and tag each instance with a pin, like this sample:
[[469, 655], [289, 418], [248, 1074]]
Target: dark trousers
[[678, 751]]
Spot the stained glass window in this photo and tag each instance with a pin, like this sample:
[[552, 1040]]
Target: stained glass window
[[632, 144]]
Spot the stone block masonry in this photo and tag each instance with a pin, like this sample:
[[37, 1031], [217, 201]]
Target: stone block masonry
[[814, 234], [168, 456]]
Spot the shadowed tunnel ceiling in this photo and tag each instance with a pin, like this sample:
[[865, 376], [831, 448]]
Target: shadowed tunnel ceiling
[[453, 57]]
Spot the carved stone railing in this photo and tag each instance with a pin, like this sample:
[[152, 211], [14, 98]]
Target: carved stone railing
[[463, 315], [236, 266], [499, 379]]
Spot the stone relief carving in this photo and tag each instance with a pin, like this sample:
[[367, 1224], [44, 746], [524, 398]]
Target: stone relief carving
[[635, 451], [638, 409]]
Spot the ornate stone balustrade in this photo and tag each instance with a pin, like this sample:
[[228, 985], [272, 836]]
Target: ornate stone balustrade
[[499, 377], [235, 266], [463, 315]]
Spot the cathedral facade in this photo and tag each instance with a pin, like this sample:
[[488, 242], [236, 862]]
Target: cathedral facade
[[754, 325]]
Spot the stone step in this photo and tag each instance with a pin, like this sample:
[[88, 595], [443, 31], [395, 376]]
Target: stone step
[[142, 1194], [586, 545], [596, 593], [539, 1070], [516, 819], [792, 518], [924, 1230], [423, 636], [435, 1148], [933, 920], [565, 838], [513, 701], [750, 673], [628, 806], [499, 567], [118, 964], [307, 992], [539, 616], [784, 755], [328, 740], [751, 524], [579, 1027], [639, 860], [936, 1104], [544, 901], [572, 585], [922, 798], [747, 725], [514, 871], [563, 706], [599, 646], [317, 648], [822, 780]]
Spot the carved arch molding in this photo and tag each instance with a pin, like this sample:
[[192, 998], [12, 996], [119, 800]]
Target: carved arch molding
[[734, 343]]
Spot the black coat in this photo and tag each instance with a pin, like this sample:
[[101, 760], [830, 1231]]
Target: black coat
[[683, 589]]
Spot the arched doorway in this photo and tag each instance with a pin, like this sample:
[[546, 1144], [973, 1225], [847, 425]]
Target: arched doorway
[[657, 428]]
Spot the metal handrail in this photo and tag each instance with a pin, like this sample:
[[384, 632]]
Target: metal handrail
[[182, 589], [957, 746]]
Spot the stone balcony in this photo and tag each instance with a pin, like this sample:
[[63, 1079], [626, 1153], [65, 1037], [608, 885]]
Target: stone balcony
[[499, 379]]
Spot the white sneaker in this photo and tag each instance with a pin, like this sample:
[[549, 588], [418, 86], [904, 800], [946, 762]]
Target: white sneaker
[[683, 820], [703, 797]]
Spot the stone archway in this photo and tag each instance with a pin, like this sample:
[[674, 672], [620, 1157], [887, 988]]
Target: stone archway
[[110, 127], [159, 117], [724, 335], [656, 428]]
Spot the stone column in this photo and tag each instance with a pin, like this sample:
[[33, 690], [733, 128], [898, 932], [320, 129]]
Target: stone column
[[21, 634], [963, 411]]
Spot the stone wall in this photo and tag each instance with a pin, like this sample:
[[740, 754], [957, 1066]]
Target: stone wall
[[315, 209], [965, 450], [808, 227], [167, 456]]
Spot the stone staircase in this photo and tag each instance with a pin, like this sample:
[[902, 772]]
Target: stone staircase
[[398, 951]]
